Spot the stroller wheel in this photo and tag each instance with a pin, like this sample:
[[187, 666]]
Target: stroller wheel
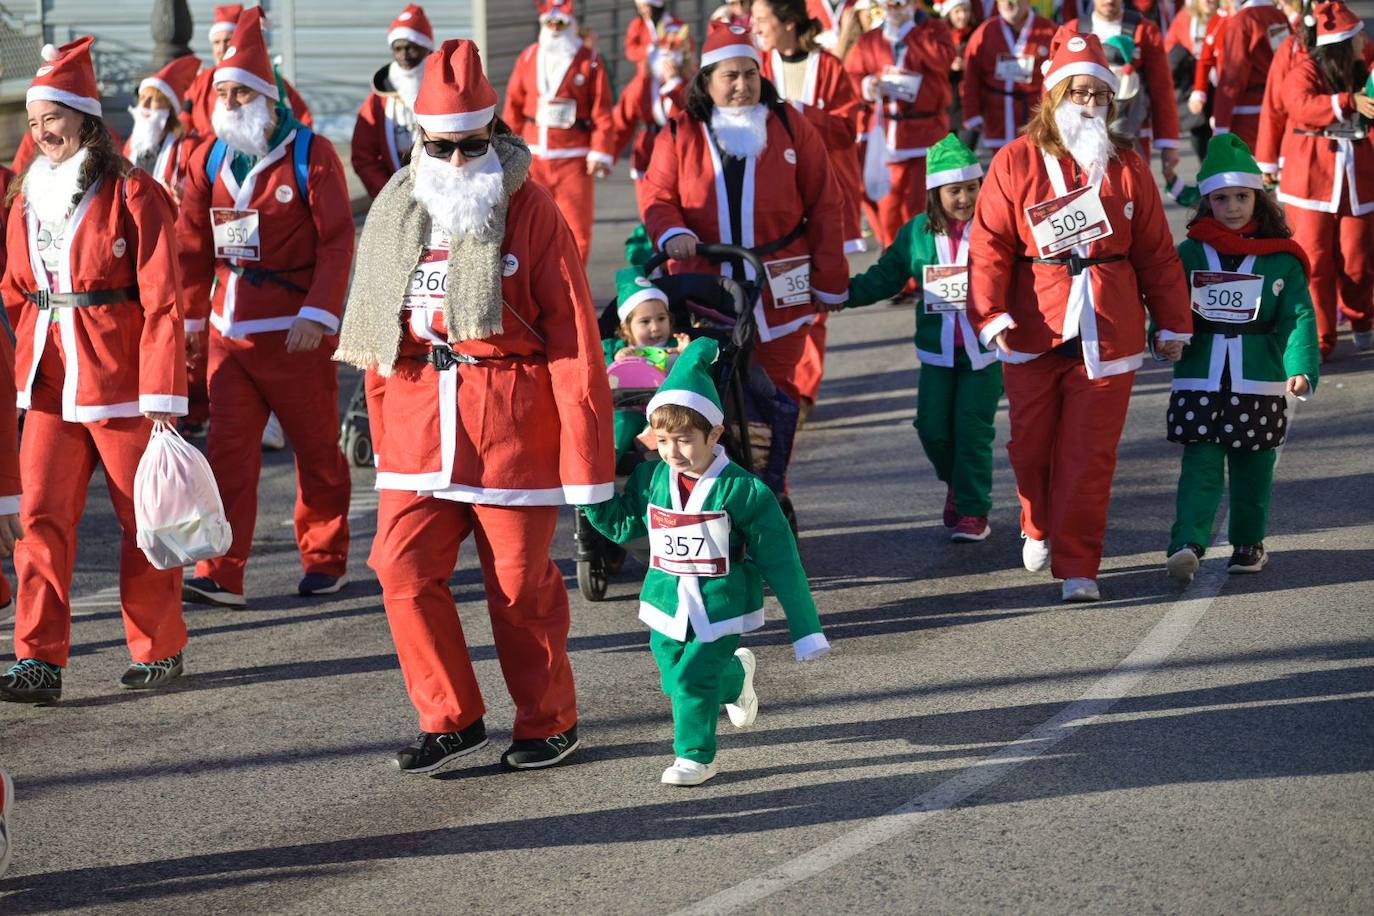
[[357, 448], [592, 578]]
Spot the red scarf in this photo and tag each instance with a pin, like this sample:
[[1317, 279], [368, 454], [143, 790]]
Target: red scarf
[[1211, 231]]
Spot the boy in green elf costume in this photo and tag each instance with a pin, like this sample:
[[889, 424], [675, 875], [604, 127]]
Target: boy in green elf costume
[[961, 380], [716, 534], [1254, 342]]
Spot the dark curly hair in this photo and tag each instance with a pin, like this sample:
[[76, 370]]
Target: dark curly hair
[[102, 160]]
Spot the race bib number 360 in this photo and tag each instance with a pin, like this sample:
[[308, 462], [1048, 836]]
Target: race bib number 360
[[1226, 297], [689, 543], [790, 281], [1075, 219], [944, 288], [236, 233]]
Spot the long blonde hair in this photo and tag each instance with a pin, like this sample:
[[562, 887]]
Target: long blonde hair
[[1044, 133]]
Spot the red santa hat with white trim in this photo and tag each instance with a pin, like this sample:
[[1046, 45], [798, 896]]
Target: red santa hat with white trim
[[556, 9], [727, 41], [1077, 55], [455, 95], [412, 25], [1334, 23], [67, 77], [246, 60], [226, 17], [174, 80]]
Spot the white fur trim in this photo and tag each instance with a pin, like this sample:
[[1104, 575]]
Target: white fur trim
[[320, 316], [684, 398], [153, 82], [830, 298], [162, 403], [729, 51], [974, 122], [9, 505], [587, 494], [1081, 68], [48, 53], [994, 327], [1231, 180], [218, 27], [953, 176], [599, 158], [623, 309], [193, 325], [251, 80], [809, 647], [81, 103], [1165, 143], [1338, 37], [1336, 107], [457, 122], [419, 38]]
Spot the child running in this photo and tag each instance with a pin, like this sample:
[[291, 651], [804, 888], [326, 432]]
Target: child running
[[646, 329], [1254, 340], [716, 534], [961, 380]]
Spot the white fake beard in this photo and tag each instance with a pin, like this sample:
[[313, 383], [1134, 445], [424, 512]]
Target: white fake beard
[[892, 31], [460, 200], [1085, 137], [244, 128], [558, 47], [741, 131], [49, 189], [150, 124], [406, 82]]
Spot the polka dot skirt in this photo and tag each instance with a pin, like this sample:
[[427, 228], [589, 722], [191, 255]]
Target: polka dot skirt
[[1241, 421]]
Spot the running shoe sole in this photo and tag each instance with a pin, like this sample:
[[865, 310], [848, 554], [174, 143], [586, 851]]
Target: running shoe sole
[[1183, 564], [962, 538], [1254, 568], [327, 590], [541, 764], [218, 599], [443, 761]]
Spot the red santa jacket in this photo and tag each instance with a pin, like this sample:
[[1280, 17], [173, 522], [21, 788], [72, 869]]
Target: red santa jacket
[[377, 152], [1273, 123], [790, 184], [28, 149], [9, 414], [1209, 57], [1034, 302], [528, 425], [1322, 162], [927, 50], [117, 360], [172, 159], [1161, 127], [643, 34], [580, 96], [830, 16], [1000, 107], [1180, 33], [200, 102], [306, 243], [6, 176], [646, 103], [1249, 41]]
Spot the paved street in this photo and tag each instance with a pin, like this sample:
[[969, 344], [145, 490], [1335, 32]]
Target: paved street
[[972, 745]]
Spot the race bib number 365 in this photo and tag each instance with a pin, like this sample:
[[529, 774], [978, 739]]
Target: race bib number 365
[[1226, 297], [236, 233], [1075, 219], [689, 543], [944, 288], [790, 281]]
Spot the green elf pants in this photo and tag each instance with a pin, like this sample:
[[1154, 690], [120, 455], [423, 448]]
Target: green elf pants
[[628, 425], [1200, 484], [955, 412], [698, 677]]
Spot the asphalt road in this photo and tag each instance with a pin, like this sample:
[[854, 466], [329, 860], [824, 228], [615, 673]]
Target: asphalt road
[[972, 745]]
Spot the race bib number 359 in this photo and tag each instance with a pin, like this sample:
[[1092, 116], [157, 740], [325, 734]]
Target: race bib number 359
[[689, 543], [944, 288], [1074, 219]]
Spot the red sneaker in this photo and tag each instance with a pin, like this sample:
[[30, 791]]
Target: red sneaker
[[971, 528], [951, 514]]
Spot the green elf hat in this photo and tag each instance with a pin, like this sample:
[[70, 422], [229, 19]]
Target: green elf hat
[[1228, 165], [950, 162], [633, 288], [690, 384], [1120, 50]]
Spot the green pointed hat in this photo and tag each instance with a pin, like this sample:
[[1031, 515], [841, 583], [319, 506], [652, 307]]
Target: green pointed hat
[[1124, 47], [1229, 164], [690, 383], [950, 162], [633, 288]]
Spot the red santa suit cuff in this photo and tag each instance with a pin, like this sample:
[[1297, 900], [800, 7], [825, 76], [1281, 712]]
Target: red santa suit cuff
[[320, 316], [193, 325], [994, 327], [1165, 334], [1165, 143], [812, 647], [673, 233], [601, 159], [974, 122], [9, 505], [830, 298], [173, 404], [587, 494]]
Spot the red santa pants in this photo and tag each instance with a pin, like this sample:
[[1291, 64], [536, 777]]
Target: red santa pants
[[1245, 126], [1064, 432], [575, 193], [1340, 248], [414, 553], [57, 460], [782, 359], [906, 199], [250, 378], [811, 369]]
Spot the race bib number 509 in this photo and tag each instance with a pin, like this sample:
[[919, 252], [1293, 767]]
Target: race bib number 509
[[1074, 219]]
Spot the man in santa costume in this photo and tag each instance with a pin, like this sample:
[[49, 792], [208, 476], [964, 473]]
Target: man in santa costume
[[651, 27], [385, 129], [489, 407], [1069, 239], [265, 220], [1002, 75], [1248, 44], [559, 99], [91, 283], [903, 70]]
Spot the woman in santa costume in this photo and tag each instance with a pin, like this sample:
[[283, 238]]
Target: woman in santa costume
[[384, 133], [9, 430], [1328, 172], [1069, 239], [559, 99], [92, 282], [490, 408], [740, 167]]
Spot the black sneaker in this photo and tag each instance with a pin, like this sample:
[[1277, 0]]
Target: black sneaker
[[150, 675], [320, 584], [1247, 558], [537, 753], [31, 681], [432, 751], [204, 590]]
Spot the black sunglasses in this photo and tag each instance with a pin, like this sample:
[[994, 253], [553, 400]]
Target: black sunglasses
[[470, 147]]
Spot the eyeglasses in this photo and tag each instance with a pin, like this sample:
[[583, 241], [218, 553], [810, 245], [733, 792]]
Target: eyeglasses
[[1087, 96], [470, 147]]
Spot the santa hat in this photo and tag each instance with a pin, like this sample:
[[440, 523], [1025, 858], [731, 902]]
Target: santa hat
[[1229, 164], [727, 41], [1080, 55], [690, 383], [654, 3], [412, 25], [174, 80], [454, 93], [950, 162], [945, 8], [246, 60], [226, 17], [633, 289], [67, 77], [556, 9], [1334, 22]]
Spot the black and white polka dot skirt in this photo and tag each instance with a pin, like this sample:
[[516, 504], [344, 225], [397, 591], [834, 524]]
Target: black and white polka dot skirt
[[1242, 421]]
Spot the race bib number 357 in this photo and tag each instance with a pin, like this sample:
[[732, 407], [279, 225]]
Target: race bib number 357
[[1074, 219], [689, 543]]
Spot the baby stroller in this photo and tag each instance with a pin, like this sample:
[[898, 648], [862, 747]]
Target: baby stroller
[[760, 421]]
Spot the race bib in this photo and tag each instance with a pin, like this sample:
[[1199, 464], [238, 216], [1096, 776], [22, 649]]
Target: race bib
[[1226, 297], [688, 543], [790, 281], [236, 233], [901, 84], [559, 113], [428, 281], [1277, 33], [1075, 219], [944, 287], [1015, 68]]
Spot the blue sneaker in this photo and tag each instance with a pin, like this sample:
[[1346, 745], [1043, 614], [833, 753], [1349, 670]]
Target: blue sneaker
[[31, 681]]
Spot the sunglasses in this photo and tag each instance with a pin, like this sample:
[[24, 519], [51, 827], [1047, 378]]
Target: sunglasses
[[470, 147]]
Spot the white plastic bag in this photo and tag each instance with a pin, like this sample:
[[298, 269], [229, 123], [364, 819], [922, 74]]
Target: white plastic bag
[[176, 503], [877, 179]]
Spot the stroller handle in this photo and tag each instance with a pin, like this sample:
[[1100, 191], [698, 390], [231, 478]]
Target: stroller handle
[[715, 253]]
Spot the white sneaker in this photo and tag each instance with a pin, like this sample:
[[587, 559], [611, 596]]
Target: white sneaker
[[1183, 563], [1081, 590], [1035, 555], [686, 772], [1364, 340], [272, 436], [746, 707]]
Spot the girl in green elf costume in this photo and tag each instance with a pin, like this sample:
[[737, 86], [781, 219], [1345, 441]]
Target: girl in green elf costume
[[716, 535], [961, 380], [1254, 341]]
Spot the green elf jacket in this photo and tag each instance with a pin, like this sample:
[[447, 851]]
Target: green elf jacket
[[759, 533], [1258, 363], [914, 248]]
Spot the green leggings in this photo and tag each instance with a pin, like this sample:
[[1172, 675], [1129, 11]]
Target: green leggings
[[698, 677], [955, 412], [1200, 484]]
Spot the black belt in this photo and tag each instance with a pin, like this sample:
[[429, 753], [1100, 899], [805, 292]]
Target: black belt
[[50, 300], [1356, 134], [444, 357], [1073, 262], [1225, 329], [779, 244], [256, 275]]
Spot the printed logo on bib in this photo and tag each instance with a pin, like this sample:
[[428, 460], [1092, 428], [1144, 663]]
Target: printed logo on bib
[[944, 288], [236, 233], [689, 543], [790, 281], [789, 156], [556, 113], [1222, 296], [284, 193], [1015, 68], [901, 84], [1074, 219], [119, 247], [509, 265]]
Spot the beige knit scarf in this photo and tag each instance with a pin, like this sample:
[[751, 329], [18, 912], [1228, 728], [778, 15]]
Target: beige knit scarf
[[397, 229]]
